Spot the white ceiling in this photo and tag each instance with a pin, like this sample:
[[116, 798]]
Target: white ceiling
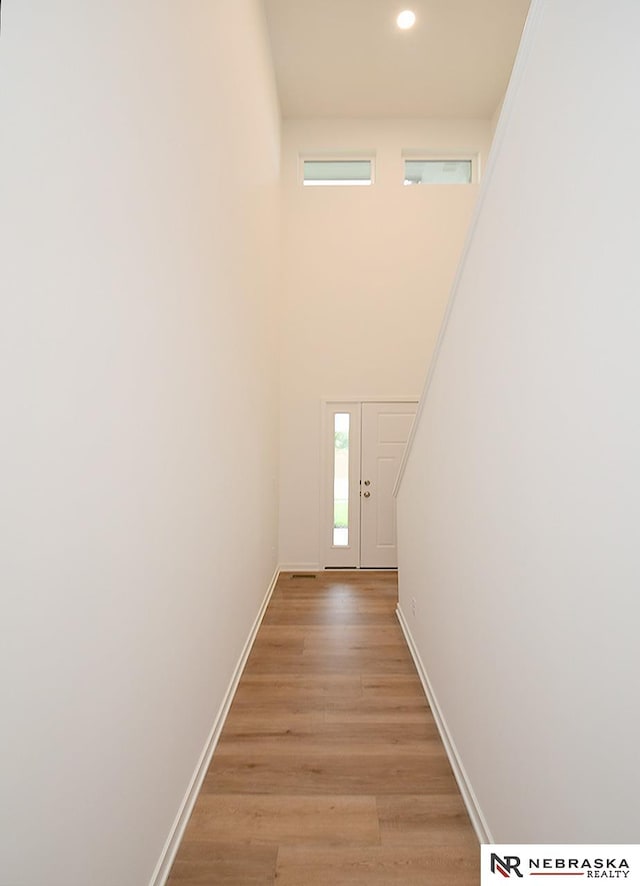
[[347, 58]]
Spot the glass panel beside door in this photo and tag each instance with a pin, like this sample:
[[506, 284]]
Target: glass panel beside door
[[341, 422], [341, 485]]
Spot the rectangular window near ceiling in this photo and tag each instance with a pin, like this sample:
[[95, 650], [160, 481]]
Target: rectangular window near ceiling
[[337, 172], [341, 479], [437, 172]]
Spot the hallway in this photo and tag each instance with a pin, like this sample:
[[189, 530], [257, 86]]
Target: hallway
[[330, 769]]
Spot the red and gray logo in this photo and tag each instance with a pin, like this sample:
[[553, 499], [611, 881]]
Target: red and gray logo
[[506, 866]]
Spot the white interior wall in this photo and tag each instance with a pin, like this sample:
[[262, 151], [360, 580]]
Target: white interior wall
[[495, 117], [139, 191], [520, 506], [366, 274]]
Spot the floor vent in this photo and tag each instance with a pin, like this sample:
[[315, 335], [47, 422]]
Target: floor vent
[[303, 575]]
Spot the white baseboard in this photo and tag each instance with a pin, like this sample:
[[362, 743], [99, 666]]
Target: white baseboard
[[174, 839], [470, 800]]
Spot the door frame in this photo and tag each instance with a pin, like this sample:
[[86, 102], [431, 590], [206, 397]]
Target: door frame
[[352, 405]]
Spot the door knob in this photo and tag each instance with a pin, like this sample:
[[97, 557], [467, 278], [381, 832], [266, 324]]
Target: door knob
[[367, 494]]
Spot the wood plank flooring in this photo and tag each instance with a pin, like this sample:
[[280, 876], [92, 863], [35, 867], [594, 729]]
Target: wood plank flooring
[[329, 769]]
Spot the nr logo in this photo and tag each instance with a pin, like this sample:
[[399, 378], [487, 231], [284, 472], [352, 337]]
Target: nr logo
[[506, 866]]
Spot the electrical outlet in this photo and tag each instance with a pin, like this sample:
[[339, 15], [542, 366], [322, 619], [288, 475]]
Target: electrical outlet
[[413, 606]]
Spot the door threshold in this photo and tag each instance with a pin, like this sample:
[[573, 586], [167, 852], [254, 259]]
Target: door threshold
[[361, 568]]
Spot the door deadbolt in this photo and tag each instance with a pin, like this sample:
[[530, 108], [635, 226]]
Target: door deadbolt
[[367, 482]]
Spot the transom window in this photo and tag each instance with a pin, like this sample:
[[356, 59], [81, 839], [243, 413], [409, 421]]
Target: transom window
[[337, 172], [438, 172]]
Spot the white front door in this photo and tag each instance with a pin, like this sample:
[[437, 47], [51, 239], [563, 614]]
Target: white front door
[[364, 445], [385, 430]]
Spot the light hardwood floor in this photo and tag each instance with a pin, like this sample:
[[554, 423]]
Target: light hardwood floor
[[330, 770]]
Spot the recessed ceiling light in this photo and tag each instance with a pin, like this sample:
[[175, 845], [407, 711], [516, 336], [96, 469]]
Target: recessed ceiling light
[[406, 20]]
